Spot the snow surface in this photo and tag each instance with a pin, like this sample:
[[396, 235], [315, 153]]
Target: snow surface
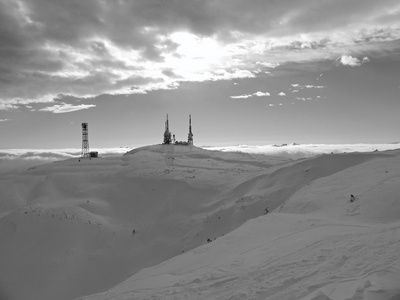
[[66, 228]]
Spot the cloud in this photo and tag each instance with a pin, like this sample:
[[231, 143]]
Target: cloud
[[4, 120], [365, 60], [56, 154], [306, 86], [7, 106], [273, 105], [14, 161], [348, 60], [88, 48], [296, 151], [169, 73], [310, 86], [242, 96], [281, 94], [271, 65], [218, 75], [257, 94], [262, 94], [16, 103], [50, 155], [66, 108]]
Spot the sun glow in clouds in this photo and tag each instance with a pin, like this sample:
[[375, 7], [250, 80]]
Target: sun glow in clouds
[[195, 47], [202, 58], [194, 55]]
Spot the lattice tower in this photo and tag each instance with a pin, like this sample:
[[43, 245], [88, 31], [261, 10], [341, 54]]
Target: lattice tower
[[85, 140]]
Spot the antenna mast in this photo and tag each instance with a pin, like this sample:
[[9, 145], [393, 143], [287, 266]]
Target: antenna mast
[[167, 133], [190, 135]]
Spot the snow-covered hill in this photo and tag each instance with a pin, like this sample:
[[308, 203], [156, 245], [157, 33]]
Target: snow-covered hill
[[137, 226]]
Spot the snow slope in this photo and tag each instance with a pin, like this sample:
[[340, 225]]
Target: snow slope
[[66, 227], [280, 256]]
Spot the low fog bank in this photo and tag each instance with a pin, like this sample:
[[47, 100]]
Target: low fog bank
[[296, 151], [19, 160]]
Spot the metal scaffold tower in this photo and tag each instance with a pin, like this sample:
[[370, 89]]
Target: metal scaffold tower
[[85, 141]]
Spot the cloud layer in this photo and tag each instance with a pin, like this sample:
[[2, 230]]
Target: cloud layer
[[287, 150], [295, 151], [88, 48], [55, 154], [19, 160]]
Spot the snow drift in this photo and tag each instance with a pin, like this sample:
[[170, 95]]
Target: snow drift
[[174, 222]]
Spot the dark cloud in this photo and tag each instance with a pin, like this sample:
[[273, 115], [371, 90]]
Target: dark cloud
[[325, 15], [51, 47], [66, 22], [169, 73], [100, 48]]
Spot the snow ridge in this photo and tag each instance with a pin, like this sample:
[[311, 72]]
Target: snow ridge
[[176, 222]]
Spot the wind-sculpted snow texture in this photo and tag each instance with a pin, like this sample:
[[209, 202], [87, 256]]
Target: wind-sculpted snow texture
[[175, 222]]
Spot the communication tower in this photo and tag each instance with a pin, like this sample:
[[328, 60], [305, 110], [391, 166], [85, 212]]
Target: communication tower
[[85, 141], [167, 134], [190, 135]]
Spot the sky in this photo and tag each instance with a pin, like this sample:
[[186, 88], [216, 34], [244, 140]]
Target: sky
[[249, 72]]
